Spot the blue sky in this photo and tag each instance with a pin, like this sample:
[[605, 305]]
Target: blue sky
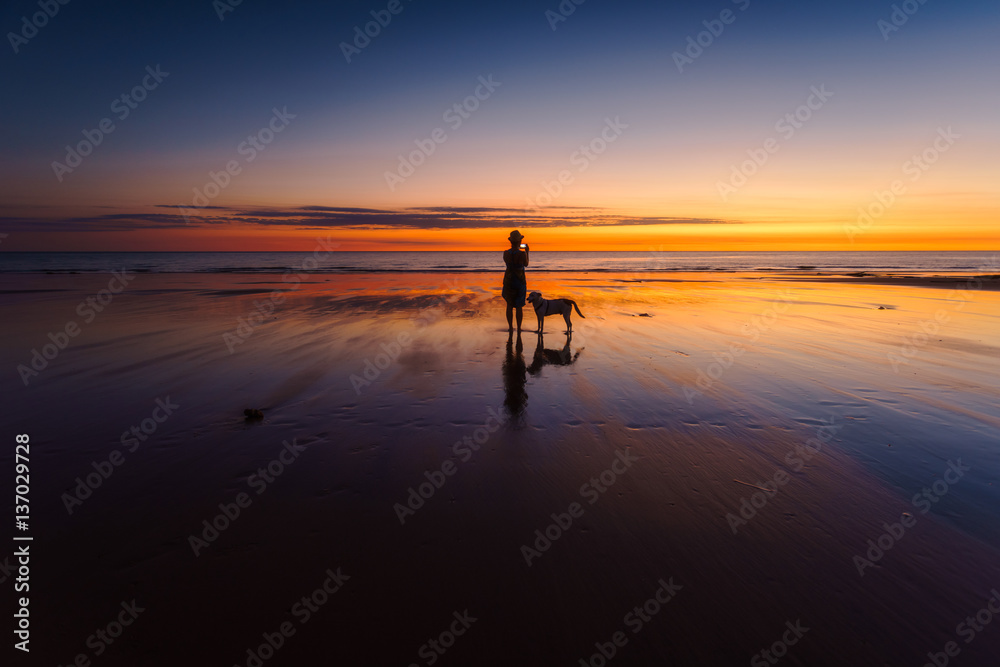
[[605, 60]]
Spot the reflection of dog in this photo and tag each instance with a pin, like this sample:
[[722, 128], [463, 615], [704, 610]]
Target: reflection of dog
[[546, 307], [544, 357]]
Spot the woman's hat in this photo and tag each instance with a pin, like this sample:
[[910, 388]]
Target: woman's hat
[[515, 235]]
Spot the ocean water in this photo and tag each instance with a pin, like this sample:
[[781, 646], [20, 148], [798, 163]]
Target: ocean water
[[441, 261]]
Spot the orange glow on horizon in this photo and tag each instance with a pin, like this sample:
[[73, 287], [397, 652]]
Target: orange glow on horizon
[[644, 238]]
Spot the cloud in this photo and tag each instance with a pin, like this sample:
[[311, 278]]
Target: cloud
[[174, 206], [330, 217]]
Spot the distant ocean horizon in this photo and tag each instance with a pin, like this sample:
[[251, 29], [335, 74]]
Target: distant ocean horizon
[[487, 261]]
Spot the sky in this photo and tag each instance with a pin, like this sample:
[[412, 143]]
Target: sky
[[712, 125]]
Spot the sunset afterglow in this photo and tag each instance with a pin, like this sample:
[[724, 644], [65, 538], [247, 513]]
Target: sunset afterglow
[[776, 136]]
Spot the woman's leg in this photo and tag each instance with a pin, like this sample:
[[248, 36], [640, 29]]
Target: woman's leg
[[510, 316], [519, 316]]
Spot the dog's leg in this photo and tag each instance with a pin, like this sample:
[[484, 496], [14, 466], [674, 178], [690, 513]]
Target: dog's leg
[[569, 325]]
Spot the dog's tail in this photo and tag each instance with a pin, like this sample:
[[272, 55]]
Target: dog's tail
[[576, 307]]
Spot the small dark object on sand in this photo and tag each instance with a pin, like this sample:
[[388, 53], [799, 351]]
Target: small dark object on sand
[[644, 315], [253, 415], [881, 307]]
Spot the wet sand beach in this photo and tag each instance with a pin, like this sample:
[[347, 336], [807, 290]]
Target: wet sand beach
[[711, 466]]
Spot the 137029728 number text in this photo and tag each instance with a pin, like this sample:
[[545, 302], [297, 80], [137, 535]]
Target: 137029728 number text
[[21, 482]]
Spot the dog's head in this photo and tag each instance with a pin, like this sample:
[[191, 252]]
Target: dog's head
[[534, 298]]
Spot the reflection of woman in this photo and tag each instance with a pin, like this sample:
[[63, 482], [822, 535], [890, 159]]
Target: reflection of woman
[[515, 285], [514, 379]]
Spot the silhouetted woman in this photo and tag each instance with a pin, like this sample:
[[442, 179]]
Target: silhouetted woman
[[515, 285]]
